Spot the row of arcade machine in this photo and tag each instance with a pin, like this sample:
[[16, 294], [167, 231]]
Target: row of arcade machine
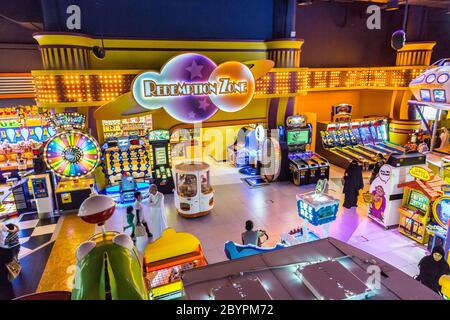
[[130, 162], [298, 164], [344, 139]]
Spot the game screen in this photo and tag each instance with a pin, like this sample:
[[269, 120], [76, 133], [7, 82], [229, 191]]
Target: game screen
[[439, 95], [297, 137], [123, 144], [382, 132], [160, 156], [425, 95], [157, 135], [418, 201], [366, 137]]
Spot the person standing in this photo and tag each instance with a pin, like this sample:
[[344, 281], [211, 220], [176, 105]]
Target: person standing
[[353, 182], [130, 222], [380, 162], [140, 215], [444, 137], [6, 256], [432, 268], [156, 210]]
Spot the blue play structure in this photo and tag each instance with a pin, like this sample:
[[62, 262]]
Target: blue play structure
[[236, 251]]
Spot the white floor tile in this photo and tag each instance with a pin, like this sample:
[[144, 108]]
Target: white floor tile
[[43, 230]]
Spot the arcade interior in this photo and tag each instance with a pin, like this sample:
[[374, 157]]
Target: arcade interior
[[250, 111]]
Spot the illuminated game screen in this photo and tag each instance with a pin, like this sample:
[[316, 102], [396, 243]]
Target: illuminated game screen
[[439, 95], [418, 201], [297, 137], [425, 95], [160, 156], [123, 144], [157, 135]]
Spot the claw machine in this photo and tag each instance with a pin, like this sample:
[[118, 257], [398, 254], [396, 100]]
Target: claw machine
[[194, 195]]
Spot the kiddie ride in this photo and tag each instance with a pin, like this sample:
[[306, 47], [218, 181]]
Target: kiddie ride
[[108, 265], [316, 208], [109, 268]]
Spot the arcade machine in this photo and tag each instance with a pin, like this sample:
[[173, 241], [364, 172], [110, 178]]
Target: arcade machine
[[386, 191], [338, 140], [238, 154], [194, 195], [72, 156], [22, 191], [166, 259], [161, 160], [359, 140], [316, 208], [306, 166], [440, 222], [374, 137], [418, 198], [125, 160]]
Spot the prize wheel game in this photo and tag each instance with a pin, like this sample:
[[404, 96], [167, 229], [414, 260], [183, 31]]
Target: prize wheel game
[[72, 154]]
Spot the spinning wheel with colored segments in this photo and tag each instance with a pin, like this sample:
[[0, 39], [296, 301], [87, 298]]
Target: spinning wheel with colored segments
[[72, 154]]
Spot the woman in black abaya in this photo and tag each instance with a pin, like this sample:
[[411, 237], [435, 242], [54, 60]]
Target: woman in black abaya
[[433, 267], [353, 182]]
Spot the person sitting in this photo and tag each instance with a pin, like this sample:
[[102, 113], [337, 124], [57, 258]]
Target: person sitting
[[251, 236], [432, 268]]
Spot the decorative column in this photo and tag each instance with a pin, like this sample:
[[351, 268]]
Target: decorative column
[[286, 53], [403, 116]]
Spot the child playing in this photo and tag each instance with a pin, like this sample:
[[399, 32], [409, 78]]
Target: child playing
[[130, 221]]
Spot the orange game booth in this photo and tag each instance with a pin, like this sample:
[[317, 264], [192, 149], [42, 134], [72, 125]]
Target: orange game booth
[[418, 198], [166, 259]]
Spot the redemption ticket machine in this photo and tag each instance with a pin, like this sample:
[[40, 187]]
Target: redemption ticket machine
[[41, 186]]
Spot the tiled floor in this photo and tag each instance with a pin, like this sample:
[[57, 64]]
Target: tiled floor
[[34, 232], [273, 208]]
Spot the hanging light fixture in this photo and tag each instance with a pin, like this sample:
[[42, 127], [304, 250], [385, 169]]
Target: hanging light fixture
[[398, 38]]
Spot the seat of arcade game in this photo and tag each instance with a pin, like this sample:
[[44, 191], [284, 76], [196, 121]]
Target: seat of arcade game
[[172, 247], [235, 251]]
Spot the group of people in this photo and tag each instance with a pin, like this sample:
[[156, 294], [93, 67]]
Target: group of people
[[147, 214], [432, 267]]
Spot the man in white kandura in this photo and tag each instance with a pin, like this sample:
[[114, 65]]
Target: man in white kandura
[[155, 212]]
